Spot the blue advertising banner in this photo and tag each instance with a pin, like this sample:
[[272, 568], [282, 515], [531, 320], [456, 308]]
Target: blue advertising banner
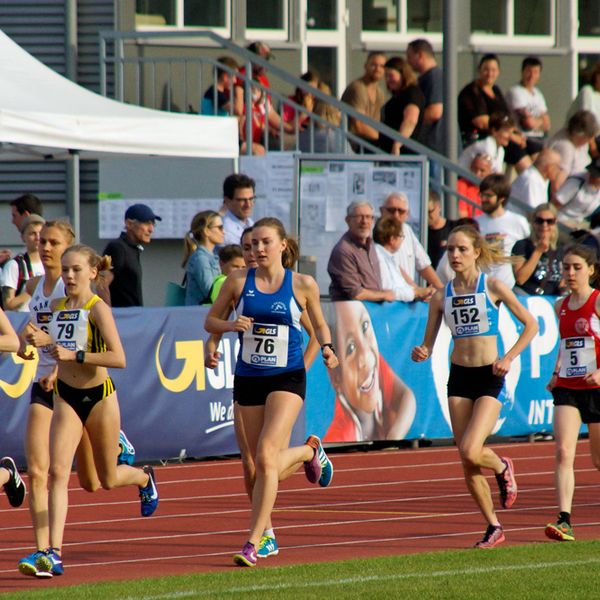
[[170, 402]]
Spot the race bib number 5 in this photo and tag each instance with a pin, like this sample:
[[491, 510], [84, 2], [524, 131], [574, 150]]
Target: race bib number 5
[[266, 345], [577, 356]]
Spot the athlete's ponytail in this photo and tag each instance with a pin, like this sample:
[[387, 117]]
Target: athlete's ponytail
[[101, 263]]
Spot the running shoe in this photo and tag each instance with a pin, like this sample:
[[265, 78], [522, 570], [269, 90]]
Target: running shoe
[[267, 547], [27, 565], [493, 536], [247, 557], [149, 493], [15, 486], [49, 563], [319, 468], [561, 532], [507, 484], [127, 451]]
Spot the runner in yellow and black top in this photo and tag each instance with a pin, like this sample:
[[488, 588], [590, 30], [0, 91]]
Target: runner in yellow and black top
[[85, 344]]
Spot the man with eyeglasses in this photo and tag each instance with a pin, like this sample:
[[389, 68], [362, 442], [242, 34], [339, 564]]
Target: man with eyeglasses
[[412, 258], [238, 198], [353, 264]]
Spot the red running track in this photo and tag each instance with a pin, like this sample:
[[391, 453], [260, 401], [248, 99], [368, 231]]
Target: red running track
[[380, 503]]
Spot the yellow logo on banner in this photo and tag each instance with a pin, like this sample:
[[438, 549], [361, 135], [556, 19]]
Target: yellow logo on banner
[[17, 389], [192, 353]]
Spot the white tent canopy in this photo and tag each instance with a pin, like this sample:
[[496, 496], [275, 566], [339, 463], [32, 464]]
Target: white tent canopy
[[51, 115]]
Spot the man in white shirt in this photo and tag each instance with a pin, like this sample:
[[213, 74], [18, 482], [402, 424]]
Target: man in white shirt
[[527, 103], [499, 225], [532, 186], [238, 198], [579, 197], [411, 258]]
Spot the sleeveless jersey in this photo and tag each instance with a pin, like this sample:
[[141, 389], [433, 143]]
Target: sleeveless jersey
[[579, 343], [469, 315], [74, 329], [41, 316], [273, 343]]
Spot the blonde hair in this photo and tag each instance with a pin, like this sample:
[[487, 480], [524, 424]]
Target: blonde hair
[[325, 110], [101, 263], [535, 238], [196, 236], [64, 227], [489, 254]]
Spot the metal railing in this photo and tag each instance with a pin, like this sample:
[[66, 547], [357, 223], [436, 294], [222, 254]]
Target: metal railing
[[145, 67]]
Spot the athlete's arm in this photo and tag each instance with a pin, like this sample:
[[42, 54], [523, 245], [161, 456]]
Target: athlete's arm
[[552, 383], [434, 320], [502, 292], [593, 378], [312, 348], [217, 318], [9, 341]]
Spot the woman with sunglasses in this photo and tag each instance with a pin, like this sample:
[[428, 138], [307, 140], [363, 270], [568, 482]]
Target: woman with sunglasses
[[199, 258], [537, 265]]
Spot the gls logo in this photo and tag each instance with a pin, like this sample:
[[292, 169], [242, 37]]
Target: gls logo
[[270, 330], [463, 301]]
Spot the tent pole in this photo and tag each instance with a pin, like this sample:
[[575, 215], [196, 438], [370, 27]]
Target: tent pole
[[73, 192]]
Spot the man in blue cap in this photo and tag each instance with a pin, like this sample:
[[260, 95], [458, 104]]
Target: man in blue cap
[[126, 285]]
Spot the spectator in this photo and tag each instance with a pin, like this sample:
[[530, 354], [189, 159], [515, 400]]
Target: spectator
[[353, 264], [20, 209], [199, 259], [411, 258], [588, 97], [579, 197], [125, 283], [403, 112], [590, 238], [499, 225], [527, 103], [388, 238], [23, 267], [496, 146], [481, 167], [573, 144], [317, 137], [238, 197], [438, 229], [537, 265], [302, 98], [224, 88], [532, 186], [421, 58], [230, 259]]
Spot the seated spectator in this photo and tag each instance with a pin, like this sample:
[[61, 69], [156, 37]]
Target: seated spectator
[[481, 166], [230, 259], [573, 144], [495, 145], [366, 97], [403, 112], [411, 258], [537, 266], [438, 229], [527, 103], [388, 238], [302, 98], [18, 270], [579, 197], [532, 186], [353, 264], [318, 137], [590, 237], [199, 259], [444, 271], [223, 90], [588, 97]]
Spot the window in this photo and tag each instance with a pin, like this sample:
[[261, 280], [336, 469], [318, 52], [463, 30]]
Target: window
[[402, 15], [266, 19], [589, 18], [512, 17], [150, 14]]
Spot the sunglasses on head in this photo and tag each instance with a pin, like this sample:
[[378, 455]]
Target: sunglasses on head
[[541, 221]]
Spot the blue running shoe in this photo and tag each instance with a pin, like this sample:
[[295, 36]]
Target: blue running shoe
[[267, 547], [149, 494], [49, 563], [15, 486], [27, 565], [127, 454]]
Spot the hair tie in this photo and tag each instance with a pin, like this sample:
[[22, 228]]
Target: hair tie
[[191, 235]]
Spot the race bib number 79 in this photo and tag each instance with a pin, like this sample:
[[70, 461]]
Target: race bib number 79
[[266, 345]]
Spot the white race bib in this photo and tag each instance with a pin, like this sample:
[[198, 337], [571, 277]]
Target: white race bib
[[467, 315], [577, 356], [266, 345]]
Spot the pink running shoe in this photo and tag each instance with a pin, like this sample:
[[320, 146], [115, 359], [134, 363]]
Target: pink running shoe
[[312, 467], [493, 536], [507, 484], [247, 557]]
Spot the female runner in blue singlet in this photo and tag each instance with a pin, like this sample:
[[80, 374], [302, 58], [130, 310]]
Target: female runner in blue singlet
[[270, 378], [86, 344], [469, 304]]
